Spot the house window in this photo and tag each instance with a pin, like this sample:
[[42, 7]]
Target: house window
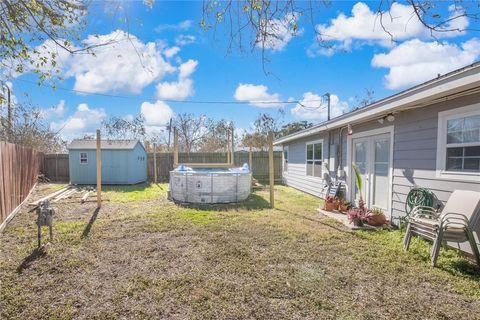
[[285, 159], [459, 142], [314, 159], [83, 158]]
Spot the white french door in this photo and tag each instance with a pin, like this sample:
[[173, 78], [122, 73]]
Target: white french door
[[371, 154]]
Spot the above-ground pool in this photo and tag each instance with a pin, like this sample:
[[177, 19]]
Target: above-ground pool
[[210, 185]]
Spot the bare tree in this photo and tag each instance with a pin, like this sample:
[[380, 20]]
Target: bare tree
[[191, 130], [263, 124], [29, 128], [124, 128], [216, 138], [366, 99]]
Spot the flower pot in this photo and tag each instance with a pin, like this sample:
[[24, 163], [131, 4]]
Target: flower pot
[[336, 205], [329, 206], [343, 208], [376, 220]]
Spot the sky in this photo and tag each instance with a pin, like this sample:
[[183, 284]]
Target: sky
[[168, 64]]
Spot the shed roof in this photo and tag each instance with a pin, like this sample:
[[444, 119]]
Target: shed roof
[[104, 144]]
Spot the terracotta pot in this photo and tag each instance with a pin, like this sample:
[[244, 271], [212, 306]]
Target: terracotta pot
[[329, 206], [336, 205], [376, 220], [343, 208]]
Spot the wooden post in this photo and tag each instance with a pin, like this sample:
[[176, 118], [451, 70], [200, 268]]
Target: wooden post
[[155, 162], [99, 170], [228, 149], [250, 160], [233, 148], [175, 147], [270, 169]]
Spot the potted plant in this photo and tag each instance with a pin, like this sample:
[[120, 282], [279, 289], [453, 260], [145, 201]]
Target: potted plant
[[376, 217], [359, 183], [329, 203], [357, 216], [344, 206], [337, 202]]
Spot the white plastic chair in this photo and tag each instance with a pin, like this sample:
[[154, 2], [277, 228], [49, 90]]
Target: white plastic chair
[[456, 222]]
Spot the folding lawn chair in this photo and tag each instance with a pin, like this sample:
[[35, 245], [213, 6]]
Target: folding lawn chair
[[456, 222]]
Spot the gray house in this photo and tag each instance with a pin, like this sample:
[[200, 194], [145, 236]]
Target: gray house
[[427, 136], [123, 161]]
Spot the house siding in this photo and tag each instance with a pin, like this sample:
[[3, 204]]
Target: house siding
[[414, 157]]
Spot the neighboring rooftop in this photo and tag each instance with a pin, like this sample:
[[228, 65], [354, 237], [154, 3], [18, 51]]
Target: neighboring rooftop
[[104, 144]]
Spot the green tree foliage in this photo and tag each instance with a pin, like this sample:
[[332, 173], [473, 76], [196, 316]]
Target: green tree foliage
[[26, 24]]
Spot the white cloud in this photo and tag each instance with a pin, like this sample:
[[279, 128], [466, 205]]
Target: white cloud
[[170, 52], [125, 64], [156, 114], [365, 26], [314, 108], [181, 26], [415, 61], [187, 68], [56, 111], [84, 121], [185, 39], [183, 87], [278, 33], [257, 95]]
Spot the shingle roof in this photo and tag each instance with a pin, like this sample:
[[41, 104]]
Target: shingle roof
[[105, 144]]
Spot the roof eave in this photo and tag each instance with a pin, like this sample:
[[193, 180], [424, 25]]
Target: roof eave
[[448, 84]]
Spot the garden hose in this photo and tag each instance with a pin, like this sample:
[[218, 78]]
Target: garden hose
[[418, 197]]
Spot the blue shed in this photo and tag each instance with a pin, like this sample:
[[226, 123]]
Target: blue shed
[[123, 161]]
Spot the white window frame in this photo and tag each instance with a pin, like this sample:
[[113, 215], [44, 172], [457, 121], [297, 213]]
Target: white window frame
[[306, 160], [80, 158], [285, 148], [443, 117]]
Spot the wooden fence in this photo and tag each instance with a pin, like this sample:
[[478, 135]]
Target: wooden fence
[[56, 165], [19, 169]]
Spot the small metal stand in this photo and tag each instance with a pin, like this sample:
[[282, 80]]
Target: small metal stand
[[45, 218]]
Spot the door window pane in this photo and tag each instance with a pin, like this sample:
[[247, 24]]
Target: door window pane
[[360, 160], [381, 174]]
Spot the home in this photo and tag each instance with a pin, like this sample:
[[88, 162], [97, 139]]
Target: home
[[123, 161], [426, 136]]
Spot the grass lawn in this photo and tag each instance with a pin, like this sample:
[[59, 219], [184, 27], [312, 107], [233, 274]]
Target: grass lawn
[[142, 256]]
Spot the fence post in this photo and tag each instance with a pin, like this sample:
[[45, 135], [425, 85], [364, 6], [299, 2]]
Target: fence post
[[155, 162], [99, 170], [250, 160], [56, 167], [270, 169], [175, 147]]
